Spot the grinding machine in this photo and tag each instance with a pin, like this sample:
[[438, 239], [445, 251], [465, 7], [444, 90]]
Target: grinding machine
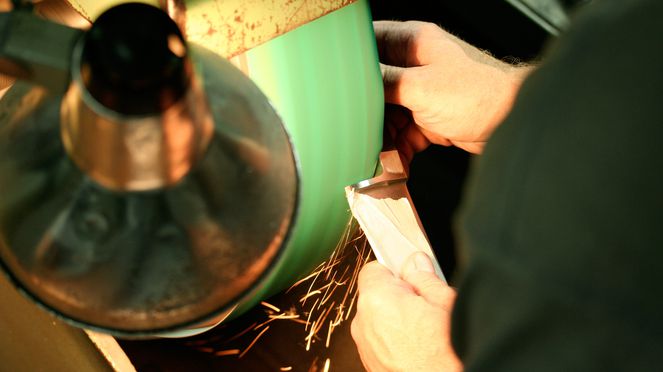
[[175, 162]]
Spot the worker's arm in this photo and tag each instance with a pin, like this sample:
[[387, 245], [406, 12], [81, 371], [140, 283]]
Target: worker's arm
[[403, 324], [440, 89]]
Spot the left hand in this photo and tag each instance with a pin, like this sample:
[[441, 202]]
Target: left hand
[[440, 89], [404, 324]]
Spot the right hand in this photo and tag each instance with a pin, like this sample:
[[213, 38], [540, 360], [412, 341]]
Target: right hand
[[439, 89], [403, 324]]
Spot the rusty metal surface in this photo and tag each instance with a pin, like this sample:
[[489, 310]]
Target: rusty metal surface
[[141, 262], [230, 27], [148, 152], [184, 233]]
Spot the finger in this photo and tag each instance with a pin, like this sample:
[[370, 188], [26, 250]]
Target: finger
[[402, 86], [415, 138], [410, 141], [393, 40], [406, 155], [397, 117], [406, 152], [435, 137], [404, 44], [432, 289], [417, 261], [373, 274], [418, 271]]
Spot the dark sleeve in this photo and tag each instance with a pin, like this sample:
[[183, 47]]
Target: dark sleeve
[[562, 226]]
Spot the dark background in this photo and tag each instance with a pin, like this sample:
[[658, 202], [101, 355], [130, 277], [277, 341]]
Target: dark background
[[436, 184]]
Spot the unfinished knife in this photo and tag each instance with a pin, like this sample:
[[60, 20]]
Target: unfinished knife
[[384, 210]]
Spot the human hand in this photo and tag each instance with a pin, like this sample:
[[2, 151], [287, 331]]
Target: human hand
[[439, 89], [403, 324]]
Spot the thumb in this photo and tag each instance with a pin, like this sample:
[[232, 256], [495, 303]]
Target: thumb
[[418, 271]]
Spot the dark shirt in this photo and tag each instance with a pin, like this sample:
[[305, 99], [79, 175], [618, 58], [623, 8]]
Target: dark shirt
[[562, 228]]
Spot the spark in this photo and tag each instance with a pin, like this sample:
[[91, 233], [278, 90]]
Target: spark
[[339, 316], [323, 317], [253, 342], [300, 321], [263, 323], [251, 327], [328, 294], [350, 308], [333, 277], [270, 306], [310, 313], [309, 338], [227, 352], [284, 316], [276, 317], [313, 283], [306, 278], [324, 287], [312, 293], [316, 326], [330, 330], [328, 297], [333, 263], [314, 365]]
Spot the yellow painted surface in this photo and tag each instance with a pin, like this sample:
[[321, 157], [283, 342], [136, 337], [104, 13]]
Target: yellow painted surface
[[33, 340], [230, 27], [91, 9]]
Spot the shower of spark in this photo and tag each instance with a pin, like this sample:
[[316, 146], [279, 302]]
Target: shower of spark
[[329, 296], [329, 277]]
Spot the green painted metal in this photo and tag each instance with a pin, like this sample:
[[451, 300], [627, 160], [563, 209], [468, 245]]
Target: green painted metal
[[324, 80]]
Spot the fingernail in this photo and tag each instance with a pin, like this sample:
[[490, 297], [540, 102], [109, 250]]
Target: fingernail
[[418, 261]]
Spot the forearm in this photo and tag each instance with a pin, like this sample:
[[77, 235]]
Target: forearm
[[497, 82]]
